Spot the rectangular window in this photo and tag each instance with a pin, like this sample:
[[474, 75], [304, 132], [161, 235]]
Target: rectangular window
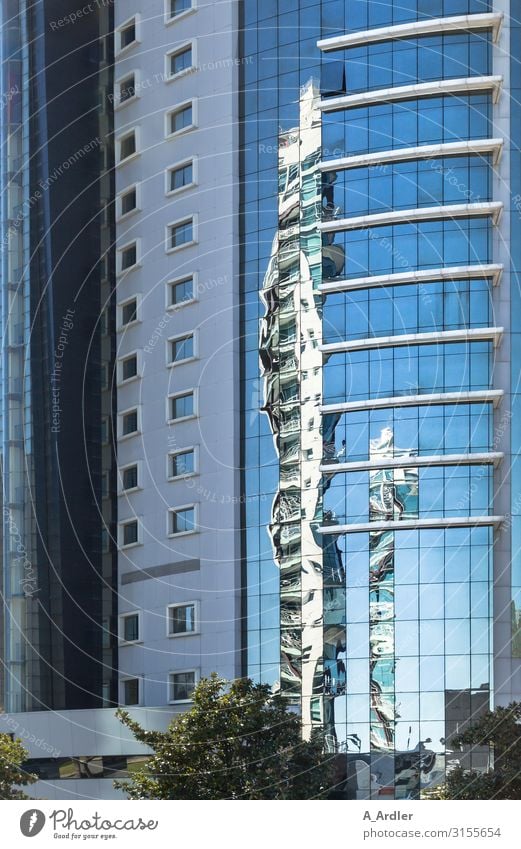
[[182, 521], [131, 691], [129, 627], [129, 423], [181, 234], [182, 406], [181, 291], [129, 312], [182, 619], [129, 367], [128, 201], [181, 177], [130, 533], [127, 146], [182, 348], [127, 34], [130, 476], [127, 88], [182, 463], [180, 60], [181, 118], [177, 7], [128, 256], [182, 685]]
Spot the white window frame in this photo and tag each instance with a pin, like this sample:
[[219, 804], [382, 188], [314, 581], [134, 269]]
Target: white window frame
[[195, 346], [120, 138], [139, 689], [139, 367], [193, 217], [180, 394], [118, 49], [120, 271], [197, 631], [180, 48], [170, 134], [121, 632], [120, 104], [119, 324], [190, 160], [139, 465], [120, 215], [122, 546], [197, 677], [171, 510], [123, 436], [169, 20], [174, 453], [170, 283]]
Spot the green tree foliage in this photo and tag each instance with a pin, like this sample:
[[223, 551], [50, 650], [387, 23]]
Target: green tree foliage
[[12, 776], [499, 729], [237, 741]]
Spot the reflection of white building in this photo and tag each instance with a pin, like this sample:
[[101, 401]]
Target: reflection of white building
[[291, 369]]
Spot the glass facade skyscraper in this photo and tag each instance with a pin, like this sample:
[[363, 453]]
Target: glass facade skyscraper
[[380, 518], [58, 575], [259, 383]]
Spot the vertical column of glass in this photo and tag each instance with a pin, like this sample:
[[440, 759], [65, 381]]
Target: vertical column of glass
[[279, 44], [515, 309], [17, 562], [418, 601], [259, 273]]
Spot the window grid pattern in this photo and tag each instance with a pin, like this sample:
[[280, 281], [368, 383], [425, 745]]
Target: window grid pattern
[[182, 291], [406, 62], [182, 234], [182, 349], [388, 702], [395, 310], [181, 177], [181, 118], [181, 619], [182, 406], [180, 61], [410, 123], [339, 17]]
